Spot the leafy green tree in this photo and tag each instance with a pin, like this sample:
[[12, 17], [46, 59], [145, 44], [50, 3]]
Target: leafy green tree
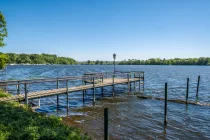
[[3, 33]]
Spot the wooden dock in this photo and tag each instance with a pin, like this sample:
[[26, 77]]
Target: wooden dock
[[89, 81]]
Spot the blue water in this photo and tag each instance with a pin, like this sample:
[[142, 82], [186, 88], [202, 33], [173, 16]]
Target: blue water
[[131, 118]]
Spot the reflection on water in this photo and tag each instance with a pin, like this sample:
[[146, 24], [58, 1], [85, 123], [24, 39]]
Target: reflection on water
[[130, 117]]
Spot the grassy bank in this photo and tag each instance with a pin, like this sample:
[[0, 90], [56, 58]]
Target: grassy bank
[[3, 93], [19, 122]]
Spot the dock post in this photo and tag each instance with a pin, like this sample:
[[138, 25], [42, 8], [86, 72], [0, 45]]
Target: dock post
[[128, 82], [166, 98], [83, 92], [39, 103], [139, 82], [18, 87], [187, 91], [143, 81], [198, 84], [26, 94], [94, 90], [57, 84], [67, 94], [106, 124], [102, 88], [113, 88]]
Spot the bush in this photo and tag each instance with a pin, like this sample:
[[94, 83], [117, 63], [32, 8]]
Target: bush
[[4, 94], [19, 122]]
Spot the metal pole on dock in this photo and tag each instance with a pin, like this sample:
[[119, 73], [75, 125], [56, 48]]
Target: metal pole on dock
[[57, 85], [106, 124], [187, 90], [165, 107], [198, 84], [26, 94], [67, 94], [94, 90], [39, 103], [113, 88]]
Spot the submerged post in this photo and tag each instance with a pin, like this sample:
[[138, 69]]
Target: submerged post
[[113, 90], [67, 94], [94, 90], [106, 123], [198, 84], [187, 90], [26, 94], [166, 98], [57, 85]]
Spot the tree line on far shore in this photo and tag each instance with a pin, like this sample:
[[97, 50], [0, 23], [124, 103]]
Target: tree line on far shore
[[175, 61], [38, 59]]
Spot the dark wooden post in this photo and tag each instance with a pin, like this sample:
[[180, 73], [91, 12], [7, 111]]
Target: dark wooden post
[[187, 90], [83, 91], [198, 84], [102, 89], [113, 90], [106, 124], [139, 81], [128, 82], [67, 94], [166, 98], [57, 85], [94, 90], [26, 94], [134, 82], [18, 88], [143, 81]]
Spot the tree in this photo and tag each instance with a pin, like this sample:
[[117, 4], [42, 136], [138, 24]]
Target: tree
[[3, 33], [3, 30]]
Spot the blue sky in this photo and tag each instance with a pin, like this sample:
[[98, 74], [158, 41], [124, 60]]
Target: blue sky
[[95, 29]]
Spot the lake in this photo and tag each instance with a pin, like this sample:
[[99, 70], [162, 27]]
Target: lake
[[130, 117]]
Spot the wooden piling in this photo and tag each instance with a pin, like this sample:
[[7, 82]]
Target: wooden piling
[[94, 90], [113, 88], [18, 87], [102, 88], [198, 84], [39, 103], [165, 107], [106, 124], [187, 92], [67, 94], [139, 82], [26, 94], [128, 77], [57, 85], [83, 92], [143, 80]]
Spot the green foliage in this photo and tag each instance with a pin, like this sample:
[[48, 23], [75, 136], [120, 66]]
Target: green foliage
[[3, 60], [3, 30], [4, 94], [18, 122], [175, 61], [39, 59]]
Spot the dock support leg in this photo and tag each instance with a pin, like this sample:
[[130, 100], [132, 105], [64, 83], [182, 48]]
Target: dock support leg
[[83, 93], [39, 104], [113, 88], [134, 87], [57, 84], [26, 94], [94, 100], [57, 101], [165, 107], [198, 84], [67, 94], [128, 82], [139, 83]]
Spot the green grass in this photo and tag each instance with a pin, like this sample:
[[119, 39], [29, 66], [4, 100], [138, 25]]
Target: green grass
[[3, 93], [18, 122]]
